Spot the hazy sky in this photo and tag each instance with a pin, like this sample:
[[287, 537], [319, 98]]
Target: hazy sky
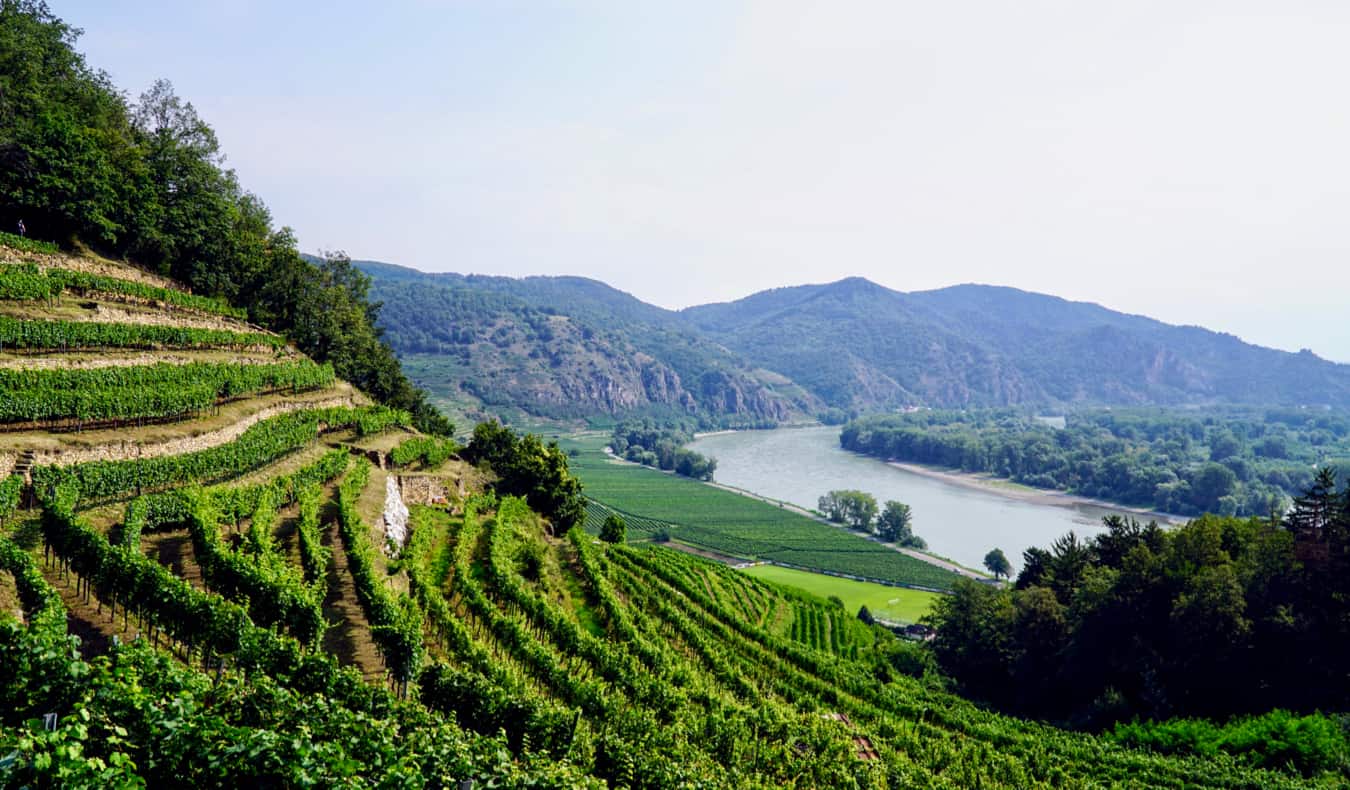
[[1186, 160]]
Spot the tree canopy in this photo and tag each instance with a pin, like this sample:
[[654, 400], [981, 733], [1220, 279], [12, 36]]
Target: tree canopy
[[147, 180], [1219, 617], [1230, 460], [614, 530], [997, 563]]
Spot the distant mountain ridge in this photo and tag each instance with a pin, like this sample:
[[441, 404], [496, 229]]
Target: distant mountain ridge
[[854, 345], [570, 347]]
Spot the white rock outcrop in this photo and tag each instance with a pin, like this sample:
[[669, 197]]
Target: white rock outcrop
[[395, 514]]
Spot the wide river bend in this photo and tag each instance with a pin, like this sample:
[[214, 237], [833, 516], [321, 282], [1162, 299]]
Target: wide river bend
[[798, 465]]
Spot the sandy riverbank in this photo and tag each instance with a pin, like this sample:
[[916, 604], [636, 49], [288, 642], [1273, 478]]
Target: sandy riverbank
[[1005, 488]]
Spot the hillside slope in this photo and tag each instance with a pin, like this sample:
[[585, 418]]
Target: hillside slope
[[568, 347], [975, 345], [197, 506]]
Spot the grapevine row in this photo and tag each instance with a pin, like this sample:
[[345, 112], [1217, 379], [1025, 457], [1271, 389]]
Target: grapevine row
[[261, 444], [145, 391], [27, 281], [314, 556], [27, 243], [55, 335], [202, 622], [396, 622], [1022, 752], [430, 451], [41, 602], [485, 694]]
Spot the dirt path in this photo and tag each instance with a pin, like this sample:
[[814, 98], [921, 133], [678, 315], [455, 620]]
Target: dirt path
[[938, 561], [84, 619], [174, 551], [348, 633], [119, 445]]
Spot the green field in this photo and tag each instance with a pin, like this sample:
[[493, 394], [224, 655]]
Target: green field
[[734, 524], [888, 603]]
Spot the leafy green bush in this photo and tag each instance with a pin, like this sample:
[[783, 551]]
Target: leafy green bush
[[68, 335], [25, 244], [27, 281], [430, 451], [1278, 739]]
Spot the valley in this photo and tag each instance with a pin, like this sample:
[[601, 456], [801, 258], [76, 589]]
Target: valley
[[271, 518], [798, 465]]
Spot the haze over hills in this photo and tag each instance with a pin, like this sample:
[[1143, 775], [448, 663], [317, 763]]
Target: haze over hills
[[568, 346]]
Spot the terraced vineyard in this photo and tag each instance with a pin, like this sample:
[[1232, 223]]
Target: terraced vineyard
[[244, 619]]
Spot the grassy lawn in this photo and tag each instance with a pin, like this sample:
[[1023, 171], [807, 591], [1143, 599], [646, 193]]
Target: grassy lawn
[[888, 603], [734, 524]]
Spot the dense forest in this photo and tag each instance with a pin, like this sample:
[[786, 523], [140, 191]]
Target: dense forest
[[1220, 617], [146, 180], [1230, 461]]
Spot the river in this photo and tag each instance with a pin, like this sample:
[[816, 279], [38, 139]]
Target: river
[[798, 465]]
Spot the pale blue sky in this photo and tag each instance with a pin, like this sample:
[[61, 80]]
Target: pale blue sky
[[1182, 160]]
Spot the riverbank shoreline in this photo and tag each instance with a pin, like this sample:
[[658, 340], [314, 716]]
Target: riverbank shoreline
[[940, 562], [931, 559], [999, 486]]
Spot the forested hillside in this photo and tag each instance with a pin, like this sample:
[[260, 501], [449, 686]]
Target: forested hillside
[[850, 346], [861, 345], [1220, 617], [146, 179], [569, 347], [1230, 461]]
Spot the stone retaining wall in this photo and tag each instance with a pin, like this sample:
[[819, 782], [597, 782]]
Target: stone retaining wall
[[426, 489]]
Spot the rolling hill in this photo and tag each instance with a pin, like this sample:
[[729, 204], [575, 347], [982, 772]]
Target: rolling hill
[[567, 346], [230, 556], [196, 503]]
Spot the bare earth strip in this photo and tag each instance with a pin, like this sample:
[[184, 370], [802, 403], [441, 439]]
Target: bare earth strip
[[348, 633], [127, 443], [105, 312], [1035, 496], [95, 625], [98, 266], [127, 359]]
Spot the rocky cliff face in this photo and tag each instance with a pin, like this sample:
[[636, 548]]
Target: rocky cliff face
[[557, 367], [729, 394], [662, 386]]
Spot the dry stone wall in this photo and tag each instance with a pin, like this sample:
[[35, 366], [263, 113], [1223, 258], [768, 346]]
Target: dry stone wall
[[427, 489]]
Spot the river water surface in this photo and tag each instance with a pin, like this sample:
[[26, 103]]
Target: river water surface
[[798, 465]]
